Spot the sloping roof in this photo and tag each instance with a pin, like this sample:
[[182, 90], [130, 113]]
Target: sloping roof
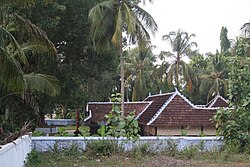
[[156, 103], [99, 109], [169, 109], [218, 101], [173, 109], [178, 112]]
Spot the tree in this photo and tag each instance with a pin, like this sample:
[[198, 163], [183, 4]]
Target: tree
[[199, 65], [112, 18], [215, 81], [138, 70], [181, 46], [19, 40], [224, 41], [84, 75], [234, 124], [246, 29]]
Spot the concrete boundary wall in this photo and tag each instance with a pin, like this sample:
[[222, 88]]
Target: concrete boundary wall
[[15, 153], [154, 143], [60, 122]]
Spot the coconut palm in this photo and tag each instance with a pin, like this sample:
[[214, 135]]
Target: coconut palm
[[20, 38], [113, 18], [138, 70], [246, 29], [215, 80], [14, 51], [181, 46]]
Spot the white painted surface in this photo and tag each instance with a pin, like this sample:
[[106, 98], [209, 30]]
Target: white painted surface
[[62, 122], [155, 143], [14, 154]]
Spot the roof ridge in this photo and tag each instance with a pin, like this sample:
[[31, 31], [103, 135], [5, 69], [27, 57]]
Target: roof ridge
[[186, 99], [163, 94], [215, 99], [162, 108], [138, 116]]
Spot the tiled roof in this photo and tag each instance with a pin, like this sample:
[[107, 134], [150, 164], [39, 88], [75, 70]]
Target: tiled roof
[[100, 109], [157, 102], [170, 109], [173, 109], [218, 101], [179, 112]]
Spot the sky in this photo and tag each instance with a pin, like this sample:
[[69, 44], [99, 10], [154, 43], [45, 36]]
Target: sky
[[204, 18]]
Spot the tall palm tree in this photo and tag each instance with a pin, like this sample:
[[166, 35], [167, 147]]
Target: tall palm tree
[[138, 70], [181, 46], [215, 81], [113, 18]]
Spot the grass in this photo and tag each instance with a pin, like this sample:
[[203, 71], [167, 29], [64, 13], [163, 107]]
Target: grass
[[101, 155], [53, 160]]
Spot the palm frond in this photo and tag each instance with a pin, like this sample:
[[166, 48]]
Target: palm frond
[[164, 54], [11, 74], [42, 83], [37, 34], [145, 19], [117, 36]]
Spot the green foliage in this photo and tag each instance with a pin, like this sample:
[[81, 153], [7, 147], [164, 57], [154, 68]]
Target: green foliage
[[141, 151], [117, 126], [37, 133], [61, 132], [33, 159], [171, 149], [224, 41], [102, 148], [139, 66], [190, 152], [179, 74], [184, 132], [234, 124]]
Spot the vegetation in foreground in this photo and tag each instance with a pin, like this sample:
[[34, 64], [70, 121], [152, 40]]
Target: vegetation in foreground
[[103, 153]]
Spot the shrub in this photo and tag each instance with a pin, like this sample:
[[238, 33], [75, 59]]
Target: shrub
[[33, 159], [102, 148]]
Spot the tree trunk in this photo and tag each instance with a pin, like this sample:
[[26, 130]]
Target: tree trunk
[[177, 70], [41, 120], [122, 81]]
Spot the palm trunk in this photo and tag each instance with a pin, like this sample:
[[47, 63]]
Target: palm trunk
[[177, 70], [122, 80]]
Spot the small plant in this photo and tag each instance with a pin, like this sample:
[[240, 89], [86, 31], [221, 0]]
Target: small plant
[[184, 132], [202, 134], [190, 152], [141, 151], [171, 148], [117, 126], [73, 149], [102, 148], [33, 159], [61, 132], [37, 133]]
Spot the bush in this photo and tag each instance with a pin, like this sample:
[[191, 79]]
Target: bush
[[190, 152], [102, 148], [33, 159], [141, 151], [171, 148]]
